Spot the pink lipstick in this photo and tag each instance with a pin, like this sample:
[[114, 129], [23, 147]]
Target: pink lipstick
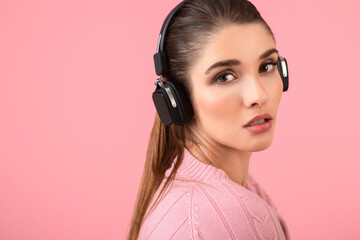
[[260, 123]]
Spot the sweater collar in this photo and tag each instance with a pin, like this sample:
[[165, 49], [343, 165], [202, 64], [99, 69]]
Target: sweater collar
[[194, 169]]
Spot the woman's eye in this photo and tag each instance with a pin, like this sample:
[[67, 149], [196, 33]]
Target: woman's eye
[[224, 78], [267, 67]]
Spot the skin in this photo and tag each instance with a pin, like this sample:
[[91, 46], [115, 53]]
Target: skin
[[223, 107]]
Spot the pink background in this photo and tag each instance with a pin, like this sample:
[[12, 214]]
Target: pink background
[[76, 79]]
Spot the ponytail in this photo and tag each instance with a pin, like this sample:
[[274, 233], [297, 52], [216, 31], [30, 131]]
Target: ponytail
[[166, 143]]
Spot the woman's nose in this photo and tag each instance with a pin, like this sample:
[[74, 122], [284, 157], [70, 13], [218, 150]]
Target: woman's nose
[[254, 92]]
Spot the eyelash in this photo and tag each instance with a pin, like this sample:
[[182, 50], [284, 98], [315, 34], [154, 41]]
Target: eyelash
[[269, 63], [227, 72]]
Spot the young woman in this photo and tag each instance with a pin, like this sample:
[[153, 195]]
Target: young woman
[[220, 87]]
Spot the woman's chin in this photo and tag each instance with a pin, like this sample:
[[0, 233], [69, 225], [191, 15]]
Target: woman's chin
[[255, 144], [261, 147]]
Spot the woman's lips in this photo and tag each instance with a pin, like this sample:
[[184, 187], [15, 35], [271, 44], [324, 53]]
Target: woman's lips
[[261, 127], [259, 117]]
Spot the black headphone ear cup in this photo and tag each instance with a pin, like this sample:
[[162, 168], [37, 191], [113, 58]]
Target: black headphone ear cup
[[163, 105], [172, 103], [182, 97], [284, 72]]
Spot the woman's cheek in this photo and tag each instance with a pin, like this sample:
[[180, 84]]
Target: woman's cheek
[[277, 92], [217, 107]]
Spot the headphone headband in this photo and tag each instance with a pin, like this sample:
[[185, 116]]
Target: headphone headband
[[165, 26], [160, 58]]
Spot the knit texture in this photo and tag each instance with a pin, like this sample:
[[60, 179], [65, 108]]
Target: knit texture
[[204, 203]]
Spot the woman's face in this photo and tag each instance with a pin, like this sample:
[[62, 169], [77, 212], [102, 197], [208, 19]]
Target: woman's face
[[244, 83]]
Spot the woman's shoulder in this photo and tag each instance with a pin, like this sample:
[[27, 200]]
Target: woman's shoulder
[[170, 214], [222, 210]]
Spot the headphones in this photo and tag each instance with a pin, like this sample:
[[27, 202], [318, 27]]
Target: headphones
[[171, 99]]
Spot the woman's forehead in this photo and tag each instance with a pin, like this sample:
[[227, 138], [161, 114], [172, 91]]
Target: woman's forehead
[[238, 41]]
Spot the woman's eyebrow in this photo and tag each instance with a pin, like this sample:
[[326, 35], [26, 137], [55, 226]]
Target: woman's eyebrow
[[225, 63], [232, 62], [268, 53]]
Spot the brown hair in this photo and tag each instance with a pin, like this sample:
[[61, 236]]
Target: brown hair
[[188, 32]]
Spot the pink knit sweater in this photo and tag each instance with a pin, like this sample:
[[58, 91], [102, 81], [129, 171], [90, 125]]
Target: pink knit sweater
[[214, 207]]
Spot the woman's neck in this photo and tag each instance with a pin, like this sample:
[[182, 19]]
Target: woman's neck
[[234, 162]]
